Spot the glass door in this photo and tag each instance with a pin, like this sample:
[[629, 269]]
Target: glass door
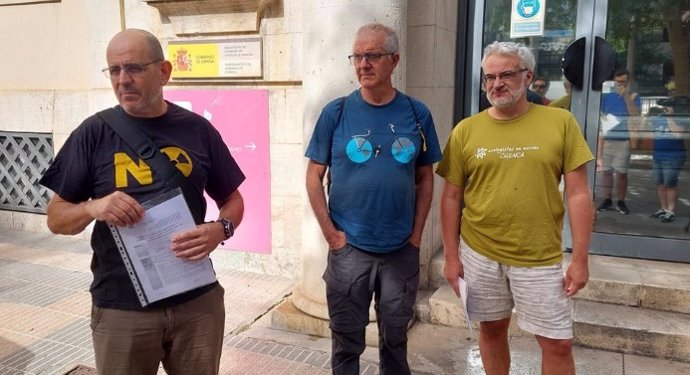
[[642, 178], [627, 81]]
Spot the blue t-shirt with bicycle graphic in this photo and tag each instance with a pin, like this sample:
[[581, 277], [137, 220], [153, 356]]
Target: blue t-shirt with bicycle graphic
[[372, 152]]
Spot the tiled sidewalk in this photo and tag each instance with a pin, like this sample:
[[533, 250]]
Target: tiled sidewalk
[[44, 325], [45, 305]]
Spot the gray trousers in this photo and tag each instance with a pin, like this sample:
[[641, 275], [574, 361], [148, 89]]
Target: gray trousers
[[352, 277]]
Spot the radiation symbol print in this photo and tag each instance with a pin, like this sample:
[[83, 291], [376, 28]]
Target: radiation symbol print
[[180, 159]]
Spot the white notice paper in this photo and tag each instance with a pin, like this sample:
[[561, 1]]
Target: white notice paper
[[146, 249], [463, 296], [608, 122]]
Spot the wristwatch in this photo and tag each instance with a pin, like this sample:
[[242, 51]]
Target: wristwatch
[[228, 227]]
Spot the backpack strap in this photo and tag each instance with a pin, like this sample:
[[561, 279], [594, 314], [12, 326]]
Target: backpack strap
[[417, 123], [341, 104]]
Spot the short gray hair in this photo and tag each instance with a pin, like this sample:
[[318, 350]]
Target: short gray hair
[[511, 49], [390, 43]]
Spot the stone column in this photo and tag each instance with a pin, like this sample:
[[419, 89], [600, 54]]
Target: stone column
[[328, 34]]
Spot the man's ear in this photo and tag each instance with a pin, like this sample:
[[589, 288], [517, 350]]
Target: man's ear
[[166, 71], [395, 59]]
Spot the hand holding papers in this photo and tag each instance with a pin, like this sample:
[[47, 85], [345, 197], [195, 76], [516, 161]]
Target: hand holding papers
[[147, 251], [463, 296]]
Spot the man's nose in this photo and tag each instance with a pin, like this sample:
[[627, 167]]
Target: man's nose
[[364, 62], [124, 77]]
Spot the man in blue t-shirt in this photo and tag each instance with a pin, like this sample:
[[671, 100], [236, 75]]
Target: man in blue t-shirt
[[613, 151], [378, 146], [668, 159]]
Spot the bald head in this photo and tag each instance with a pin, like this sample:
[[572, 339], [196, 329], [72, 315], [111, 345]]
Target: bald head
[[150, 44]]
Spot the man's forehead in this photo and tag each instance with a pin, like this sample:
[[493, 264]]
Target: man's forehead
[[500, 62], [127, 42], [370, 39]]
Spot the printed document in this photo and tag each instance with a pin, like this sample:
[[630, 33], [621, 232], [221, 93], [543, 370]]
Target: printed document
[[146, 249], [463, 296], [608, 122]]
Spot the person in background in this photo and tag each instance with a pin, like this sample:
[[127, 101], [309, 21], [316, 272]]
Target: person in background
[[668, 158], [502, 169], [540, 85], [613, 156], [183, 332], [564, 101], [378, 146]]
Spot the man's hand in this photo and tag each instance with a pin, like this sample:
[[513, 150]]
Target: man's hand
[[199, 242], [576, 278], [622, 90], [336, 240], [452, 270], [117, 208]]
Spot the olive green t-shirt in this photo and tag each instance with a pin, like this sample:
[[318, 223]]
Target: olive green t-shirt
[[510, 171]]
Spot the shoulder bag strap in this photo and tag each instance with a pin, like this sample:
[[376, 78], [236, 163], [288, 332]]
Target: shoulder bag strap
[[147, 150]]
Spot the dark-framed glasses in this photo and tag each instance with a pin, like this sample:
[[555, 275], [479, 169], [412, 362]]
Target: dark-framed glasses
[[371, 57], [131, 69], [503, 76]]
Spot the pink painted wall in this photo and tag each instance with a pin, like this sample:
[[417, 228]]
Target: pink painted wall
[[241, 117]]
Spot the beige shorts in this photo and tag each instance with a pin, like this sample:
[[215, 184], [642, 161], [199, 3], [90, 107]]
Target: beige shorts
[[541, 306], [616, 155]]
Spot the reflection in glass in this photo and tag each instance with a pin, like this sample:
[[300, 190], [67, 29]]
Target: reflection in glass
[[652, 41]]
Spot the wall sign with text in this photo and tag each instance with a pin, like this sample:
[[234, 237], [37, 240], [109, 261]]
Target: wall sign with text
[[229, 58]]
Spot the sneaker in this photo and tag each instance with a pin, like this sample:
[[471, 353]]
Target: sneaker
[[667, 217], [605, 205], [622, 207], [661, 212]]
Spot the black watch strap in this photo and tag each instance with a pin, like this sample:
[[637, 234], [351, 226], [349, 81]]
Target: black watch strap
[[228, 227]]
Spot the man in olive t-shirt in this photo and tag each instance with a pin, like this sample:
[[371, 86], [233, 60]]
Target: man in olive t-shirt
[[505, 164]]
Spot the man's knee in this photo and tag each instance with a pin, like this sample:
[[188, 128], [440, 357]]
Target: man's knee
[[393, 335], [495, 328], [559, 347]]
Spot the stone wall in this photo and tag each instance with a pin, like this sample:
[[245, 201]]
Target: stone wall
[[56, 82]]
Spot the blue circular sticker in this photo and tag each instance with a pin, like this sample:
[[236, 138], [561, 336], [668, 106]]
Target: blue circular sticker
[[528, 8], [403, 149], [359, 149]]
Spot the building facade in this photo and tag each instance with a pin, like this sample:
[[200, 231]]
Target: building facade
[[261, 70]]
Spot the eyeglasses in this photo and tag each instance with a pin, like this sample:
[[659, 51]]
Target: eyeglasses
[[503, 76], [620, 83], [131, 69], [539, 86], [371, 57]]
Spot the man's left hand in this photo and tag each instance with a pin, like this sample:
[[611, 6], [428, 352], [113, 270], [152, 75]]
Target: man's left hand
[[576, 278], [197, 243]]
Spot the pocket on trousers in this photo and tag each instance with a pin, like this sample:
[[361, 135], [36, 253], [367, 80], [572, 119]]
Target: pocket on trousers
[[96, 315], [347, 307]]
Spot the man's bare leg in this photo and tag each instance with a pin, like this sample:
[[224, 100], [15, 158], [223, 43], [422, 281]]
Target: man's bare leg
[[493, 346], [556, 356]]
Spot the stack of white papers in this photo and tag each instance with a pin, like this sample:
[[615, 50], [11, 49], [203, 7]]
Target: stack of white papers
[[463, 296]]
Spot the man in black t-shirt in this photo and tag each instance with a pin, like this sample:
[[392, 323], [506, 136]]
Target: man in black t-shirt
[[97, 177]]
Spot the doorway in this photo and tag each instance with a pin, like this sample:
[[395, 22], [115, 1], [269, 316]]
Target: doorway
[[627, 82]]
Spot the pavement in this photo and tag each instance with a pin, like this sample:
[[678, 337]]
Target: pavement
[[45, 306]]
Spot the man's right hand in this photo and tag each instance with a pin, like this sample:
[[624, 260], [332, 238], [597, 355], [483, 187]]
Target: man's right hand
[[452, 270], [336, 240], [117, 208]]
